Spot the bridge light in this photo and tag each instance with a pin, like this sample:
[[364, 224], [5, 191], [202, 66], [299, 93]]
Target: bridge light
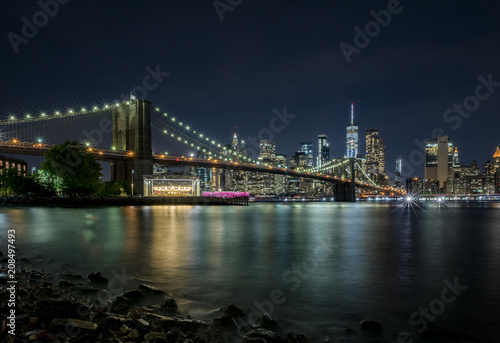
[[157, 109], [187, 128], [173, 119], [95, 108], [87, 144], [117, 104], [28, 116], [164, 131], [213, 142], [113, 148], [12, 117], [201, 134], [180, 123], [207, 139], [43, 114], [83, 109], [106, 106]]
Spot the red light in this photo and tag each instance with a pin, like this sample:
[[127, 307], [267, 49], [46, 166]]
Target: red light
[[177, 159]]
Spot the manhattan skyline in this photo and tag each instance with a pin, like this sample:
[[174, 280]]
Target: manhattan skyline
[[265, 56]]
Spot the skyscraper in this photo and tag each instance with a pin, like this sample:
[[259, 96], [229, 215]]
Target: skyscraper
[[398, 182], [372, 152], [495, 162], [267, 153], [352, 137], [438, 159], [323, 150], [307, 148]]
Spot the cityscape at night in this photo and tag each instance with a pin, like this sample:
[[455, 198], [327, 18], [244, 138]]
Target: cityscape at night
[[260, 172]]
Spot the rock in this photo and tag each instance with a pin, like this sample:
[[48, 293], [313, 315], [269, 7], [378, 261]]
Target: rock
[[149, 290], [267, 323], [65, 284], [144, 323], [371, 327], [69, 276], [257, 335], [133, 295], [134, 334], [125, 329], [97, 278], [121, 305], [155, 335], [35, 274], [226, 320], [233, 311], [293, 337], [47, 310], [168, 323], [62, 325], [169, 306], [115, 322], [176, 335], [88, 289]]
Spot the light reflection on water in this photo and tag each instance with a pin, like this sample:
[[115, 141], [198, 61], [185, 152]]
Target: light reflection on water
[[382, 262]]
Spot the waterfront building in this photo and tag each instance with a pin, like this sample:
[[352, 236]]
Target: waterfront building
[[178, 185], [417, 185], [307, 149], [20, 166], [352, 137], [439, 159]]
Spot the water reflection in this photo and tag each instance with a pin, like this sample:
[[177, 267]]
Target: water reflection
[[383, 262]]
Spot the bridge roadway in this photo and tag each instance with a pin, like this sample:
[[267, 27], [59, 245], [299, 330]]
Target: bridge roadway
[[38, 149]]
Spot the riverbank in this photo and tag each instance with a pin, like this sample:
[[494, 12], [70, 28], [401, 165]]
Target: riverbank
[[65, 306], [117, 201]]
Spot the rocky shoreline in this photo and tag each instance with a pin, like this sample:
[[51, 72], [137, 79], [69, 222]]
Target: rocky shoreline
[[70, 307]]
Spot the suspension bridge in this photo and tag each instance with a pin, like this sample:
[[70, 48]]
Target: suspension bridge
[[130, 148]]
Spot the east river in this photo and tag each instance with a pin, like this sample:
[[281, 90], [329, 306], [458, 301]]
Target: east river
[[319, 268]]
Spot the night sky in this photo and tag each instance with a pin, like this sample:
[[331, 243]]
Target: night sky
[[266, 55]]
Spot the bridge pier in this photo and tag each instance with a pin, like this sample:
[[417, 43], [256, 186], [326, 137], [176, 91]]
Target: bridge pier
[[132, 133], [346, 191]]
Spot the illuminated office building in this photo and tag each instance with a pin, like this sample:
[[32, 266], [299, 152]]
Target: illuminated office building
[[352, 137], [439, 159]]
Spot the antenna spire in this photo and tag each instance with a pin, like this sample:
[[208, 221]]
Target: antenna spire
[[352, 113]]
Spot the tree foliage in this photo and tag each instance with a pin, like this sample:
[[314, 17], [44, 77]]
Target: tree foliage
[[115, 188], [13, 183], [71, 170]]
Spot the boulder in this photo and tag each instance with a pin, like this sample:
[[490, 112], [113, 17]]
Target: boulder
[[293, 337], [77, 326], [97, 278], [262, 335], [371, 327]]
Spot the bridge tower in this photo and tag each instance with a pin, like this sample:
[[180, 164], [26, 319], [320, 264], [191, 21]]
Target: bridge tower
[[346, 191], [132, 133]]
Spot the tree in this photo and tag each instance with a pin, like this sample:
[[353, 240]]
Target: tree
[[115, 188], [71, 169], [13, 183]]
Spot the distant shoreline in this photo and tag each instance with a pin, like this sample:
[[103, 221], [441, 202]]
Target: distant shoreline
[[117, 201]]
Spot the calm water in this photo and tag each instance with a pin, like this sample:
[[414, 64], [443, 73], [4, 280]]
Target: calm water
[[336, 264]]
